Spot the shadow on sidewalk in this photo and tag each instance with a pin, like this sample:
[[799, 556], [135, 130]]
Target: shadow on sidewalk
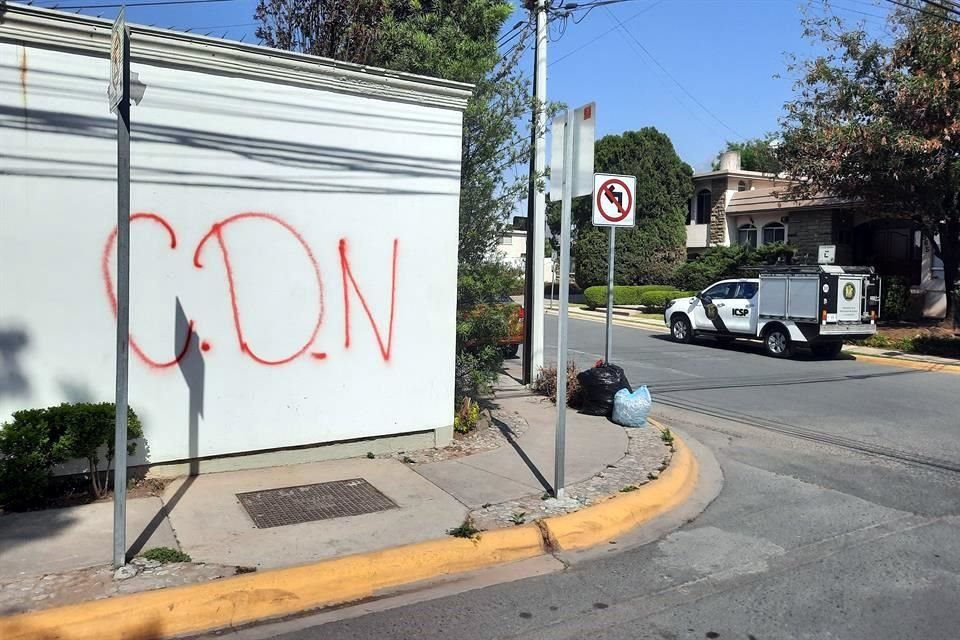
[[511, 438]]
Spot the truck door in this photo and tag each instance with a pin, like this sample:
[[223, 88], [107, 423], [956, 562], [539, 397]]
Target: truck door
[[740, 312], [713, 301]]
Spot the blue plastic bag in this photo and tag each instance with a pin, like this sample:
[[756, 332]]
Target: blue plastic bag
[[632, 409]]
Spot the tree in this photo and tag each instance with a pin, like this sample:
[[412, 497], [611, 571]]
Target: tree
[[758, 154], [878, 122], [651, 252]]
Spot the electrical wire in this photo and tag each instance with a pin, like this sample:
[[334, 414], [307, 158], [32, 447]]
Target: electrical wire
[[157, 3], [924, 11], [624, 30], [519, 24], [608, 31]]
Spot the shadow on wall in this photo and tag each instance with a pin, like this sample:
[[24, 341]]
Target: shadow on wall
[[322, 160], [12, 380], [193, 369]]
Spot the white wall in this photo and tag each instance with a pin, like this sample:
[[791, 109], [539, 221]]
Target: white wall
[[269, 366]]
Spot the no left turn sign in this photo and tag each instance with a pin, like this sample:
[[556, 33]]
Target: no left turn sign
[[614, 204]]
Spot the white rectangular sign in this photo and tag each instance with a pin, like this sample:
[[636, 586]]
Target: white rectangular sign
[[584, 132], [614, 200], [117, 60], [826, 254]]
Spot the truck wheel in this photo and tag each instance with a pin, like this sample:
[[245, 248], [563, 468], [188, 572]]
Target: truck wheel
[[680, 329], [776, 342], [827, 350]]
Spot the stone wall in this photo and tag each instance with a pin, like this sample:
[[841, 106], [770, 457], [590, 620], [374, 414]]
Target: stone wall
[[809, 230], [718, 221]]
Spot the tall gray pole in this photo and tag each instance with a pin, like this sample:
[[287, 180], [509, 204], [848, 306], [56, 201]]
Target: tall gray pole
[[567, 189], [536, 207], [609, 347], [123, 313]]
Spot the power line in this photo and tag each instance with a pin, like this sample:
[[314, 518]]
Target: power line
[[924, 11], [675, 81], [591, 41], [157, 3], [511, 30]]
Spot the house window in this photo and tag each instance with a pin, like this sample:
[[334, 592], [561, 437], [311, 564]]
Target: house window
[[704, 205], [774, 232], [747, 234], [689, 210], [741, 186]]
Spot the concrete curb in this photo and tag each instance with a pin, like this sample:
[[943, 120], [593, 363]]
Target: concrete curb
[[894, 361], [619, 514], [270, 594]]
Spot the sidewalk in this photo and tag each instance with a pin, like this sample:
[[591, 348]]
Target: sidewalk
[[61, 556]]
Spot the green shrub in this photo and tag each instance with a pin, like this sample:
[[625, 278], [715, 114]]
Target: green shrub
[[38, 439], [720, 263], [896, 298], [467, 417], [622, 294], [660, 299]]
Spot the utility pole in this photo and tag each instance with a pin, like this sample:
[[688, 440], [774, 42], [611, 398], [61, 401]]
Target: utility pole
[[536, 204]]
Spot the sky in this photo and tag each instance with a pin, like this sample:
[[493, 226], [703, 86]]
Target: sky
[[702, 71]]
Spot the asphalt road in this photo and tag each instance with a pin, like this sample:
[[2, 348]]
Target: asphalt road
[[839, 516]]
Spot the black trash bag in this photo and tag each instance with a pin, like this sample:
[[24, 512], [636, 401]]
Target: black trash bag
[[599, 385]]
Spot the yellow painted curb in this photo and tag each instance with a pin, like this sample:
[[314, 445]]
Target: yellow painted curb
[[625, 511], [909, 364], [233, 601]]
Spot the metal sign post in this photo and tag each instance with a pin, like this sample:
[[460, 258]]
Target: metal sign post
[[572, 162], [614, 205], [609, 344], [119, 95], [565, 220]]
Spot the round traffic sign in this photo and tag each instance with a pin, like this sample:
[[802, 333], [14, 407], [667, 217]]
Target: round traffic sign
[[607, 196]]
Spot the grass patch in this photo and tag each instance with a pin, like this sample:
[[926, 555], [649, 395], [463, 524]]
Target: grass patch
[[166, 555], [465, 530], [941, 346], [518, 518], [629, 488], [667, 436]]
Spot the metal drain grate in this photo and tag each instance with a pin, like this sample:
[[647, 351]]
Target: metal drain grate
[[311, 502]]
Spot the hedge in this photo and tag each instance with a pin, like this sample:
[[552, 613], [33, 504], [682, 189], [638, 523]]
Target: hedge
[[650, 295], [622, 294]]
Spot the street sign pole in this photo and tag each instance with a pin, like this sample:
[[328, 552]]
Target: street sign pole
[[566, 201], [610, 258], [120, 56]]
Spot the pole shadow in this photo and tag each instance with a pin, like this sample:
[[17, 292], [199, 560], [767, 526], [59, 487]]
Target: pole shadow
[[193, 368]]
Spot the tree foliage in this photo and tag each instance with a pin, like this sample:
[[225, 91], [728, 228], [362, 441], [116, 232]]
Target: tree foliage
[[651, 252], [450, 39], [758, 154], [878, 121]]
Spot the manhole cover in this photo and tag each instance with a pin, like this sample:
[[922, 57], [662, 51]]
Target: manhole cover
[[310, 502]]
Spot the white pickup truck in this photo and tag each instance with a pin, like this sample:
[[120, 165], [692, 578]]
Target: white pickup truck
[[817, 305]]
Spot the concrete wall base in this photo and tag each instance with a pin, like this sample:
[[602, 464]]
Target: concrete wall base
[[443, 436], [327, 451]]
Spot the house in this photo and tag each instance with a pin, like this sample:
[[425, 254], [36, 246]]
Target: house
[[512, 249], [731, 206]]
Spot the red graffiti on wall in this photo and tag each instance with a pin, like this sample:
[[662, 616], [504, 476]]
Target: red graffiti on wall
[[217, 232], [347, 274], [112, 295]]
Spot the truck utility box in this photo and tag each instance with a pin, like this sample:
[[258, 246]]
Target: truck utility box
[[841, 299]]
